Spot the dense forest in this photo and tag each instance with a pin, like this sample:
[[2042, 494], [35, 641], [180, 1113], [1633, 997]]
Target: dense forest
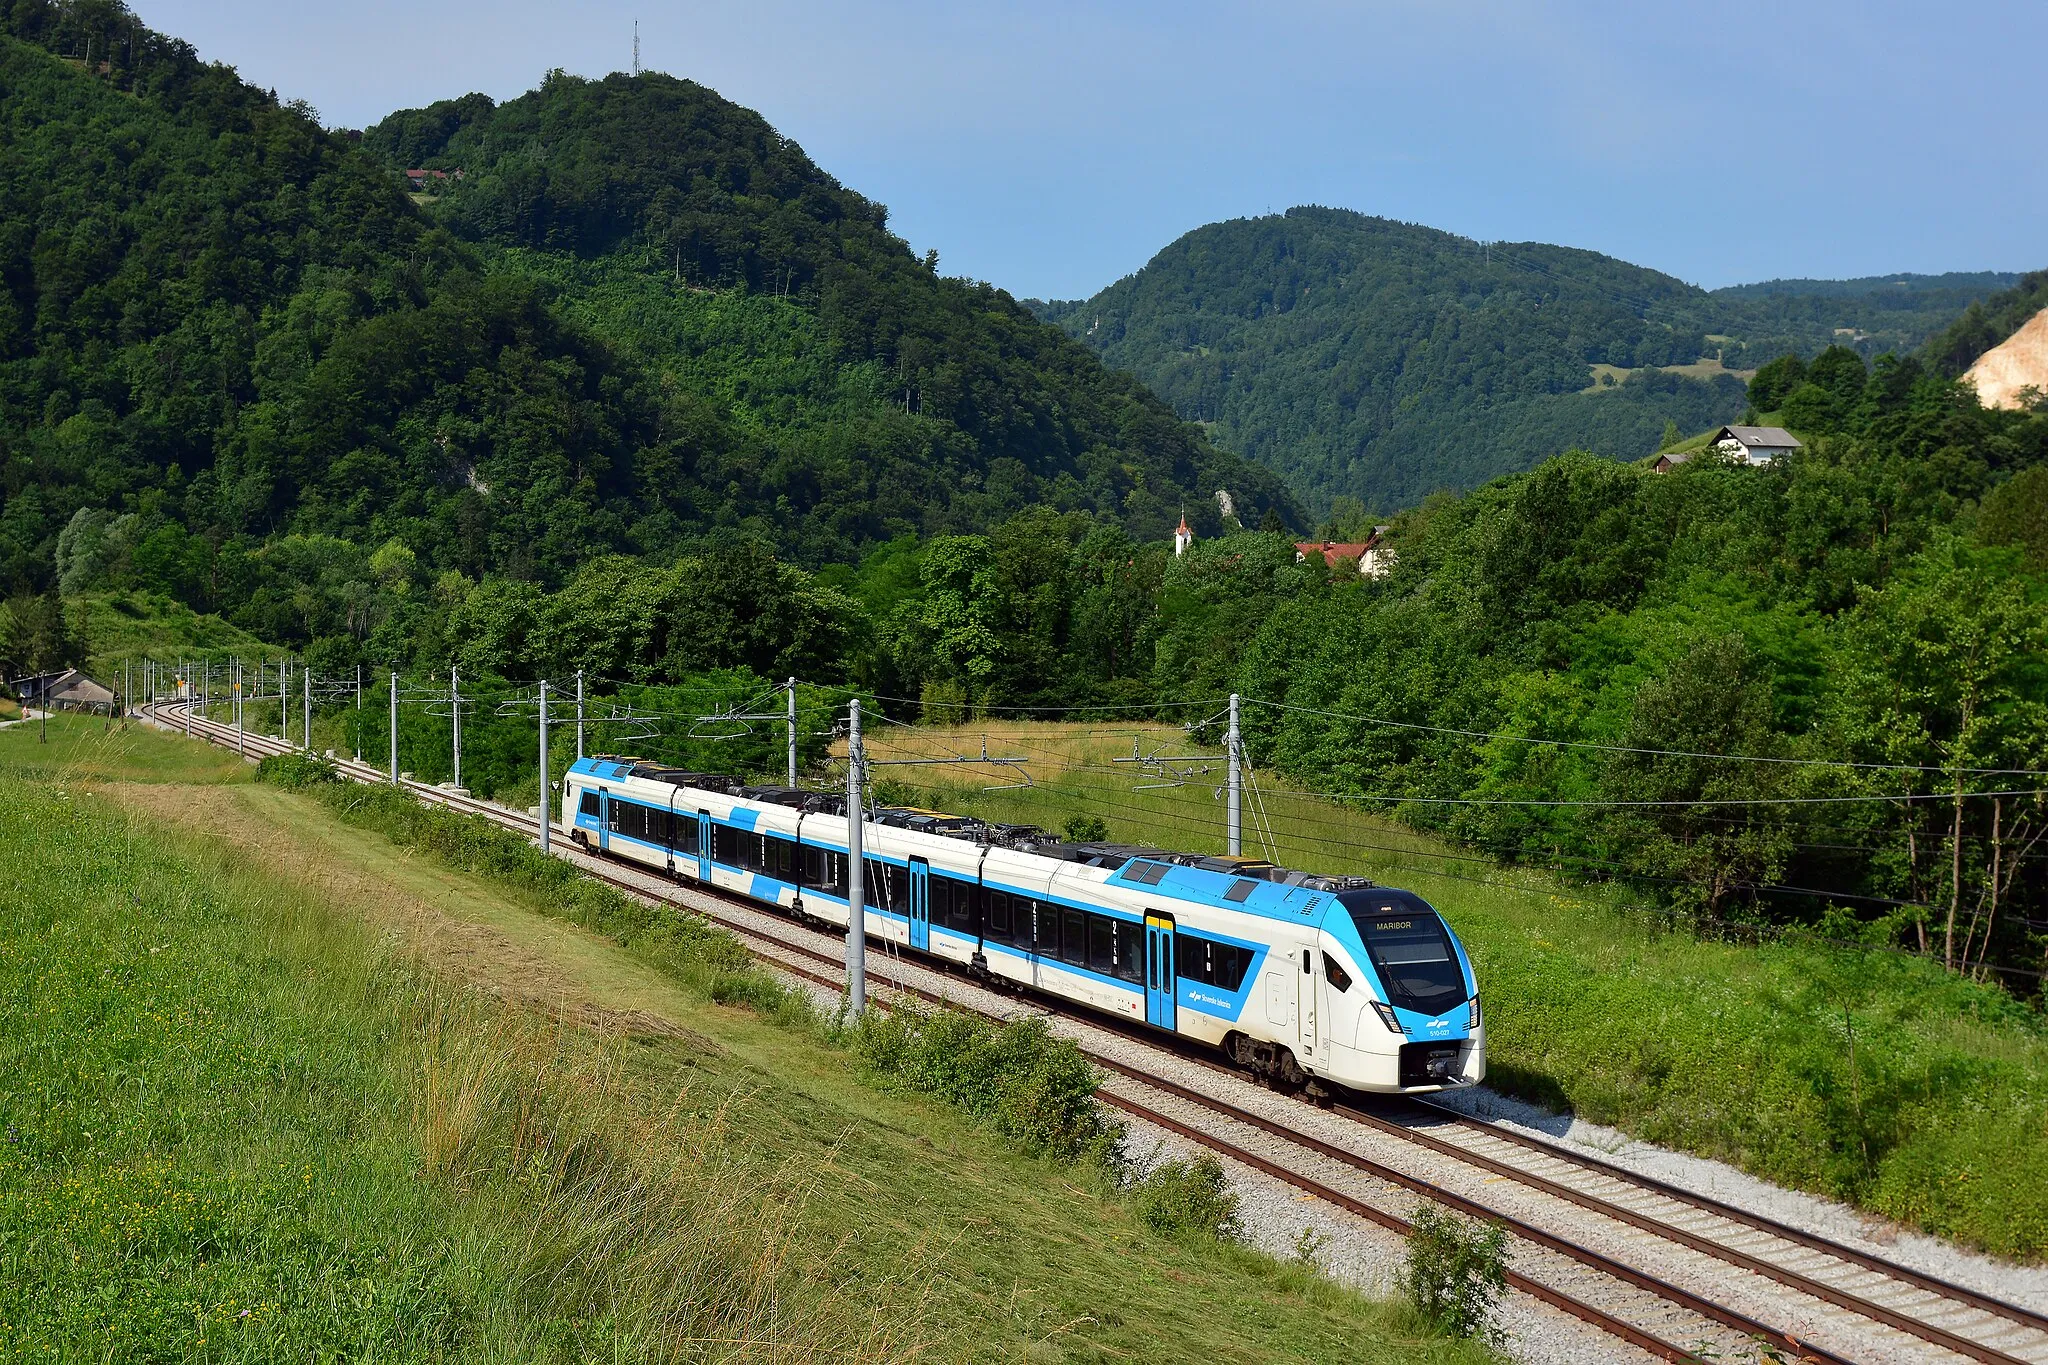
[[1384, 361], [227, 335], [858, 388]]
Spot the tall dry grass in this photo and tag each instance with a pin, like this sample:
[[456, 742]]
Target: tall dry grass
[[658, 1215]]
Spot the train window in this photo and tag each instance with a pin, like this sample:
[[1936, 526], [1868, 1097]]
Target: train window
[[588, 805], [1002, 917], [1101, 943], [947, 894], [1335, 974], [1214, 964], [1074, 937], [788, 857], [826, 870], [683, 838], [1130, 950], [738, 848]]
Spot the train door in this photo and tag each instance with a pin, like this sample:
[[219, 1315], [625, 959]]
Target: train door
[[920, 904], [671, 834], [704, 846], [1310, 995], [604, 818], [1160, 986]]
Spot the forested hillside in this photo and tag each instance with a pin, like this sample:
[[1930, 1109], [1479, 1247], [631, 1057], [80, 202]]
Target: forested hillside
[[862, 393], [1383, 361], [236, 360]]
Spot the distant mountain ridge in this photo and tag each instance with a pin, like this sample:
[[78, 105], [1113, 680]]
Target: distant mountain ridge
[[1368, 358]]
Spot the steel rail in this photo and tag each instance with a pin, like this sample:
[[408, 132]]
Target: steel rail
[[1708, 1204]]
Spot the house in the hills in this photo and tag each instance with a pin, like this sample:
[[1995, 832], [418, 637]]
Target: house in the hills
[[1374, 557], [1750, 445]]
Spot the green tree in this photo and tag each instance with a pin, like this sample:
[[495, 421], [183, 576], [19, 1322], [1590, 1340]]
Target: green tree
[[1946, 668], [962, 613], [1713, 700], [1772, 384], [2016, 514]]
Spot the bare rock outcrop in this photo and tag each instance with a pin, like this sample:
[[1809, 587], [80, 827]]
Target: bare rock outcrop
[[2005, 372]]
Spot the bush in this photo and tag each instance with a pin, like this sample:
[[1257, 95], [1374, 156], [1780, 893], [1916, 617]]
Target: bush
[[296, 772], [1456, 1271], [1020, 1079], [1086, 829], [1188, 1199]]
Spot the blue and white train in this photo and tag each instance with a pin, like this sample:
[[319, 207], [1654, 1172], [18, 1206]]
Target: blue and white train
[[1314, 982]]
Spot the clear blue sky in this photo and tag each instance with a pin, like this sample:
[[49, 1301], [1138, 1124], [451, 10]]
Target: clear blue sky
[[1052, 147]]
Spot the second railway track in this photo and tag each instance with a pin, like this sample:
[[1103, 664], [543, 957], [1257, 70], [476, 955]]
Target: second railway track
[[1603, 1243]]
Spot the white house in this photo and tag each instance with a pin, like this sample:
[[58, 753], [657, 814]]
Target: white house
[[1751, 445]]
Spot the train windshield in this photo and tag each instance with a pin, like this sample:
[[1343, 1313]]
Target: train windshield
[[1411, 948]]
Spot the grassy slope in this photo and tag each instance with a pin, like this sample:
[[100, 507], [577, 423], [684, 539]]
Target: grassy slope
[[124, 625], [875, 1199], [1733, 1051]]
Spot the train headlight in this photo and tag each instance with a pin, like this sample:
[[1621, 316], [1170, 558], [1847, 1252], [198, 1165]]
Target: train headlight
[[1472, 1020], [1386, 1013]]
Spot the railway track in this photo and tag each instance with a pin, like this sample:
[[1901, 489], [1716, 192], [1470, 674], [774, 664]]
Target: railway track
[[1605, 1244]]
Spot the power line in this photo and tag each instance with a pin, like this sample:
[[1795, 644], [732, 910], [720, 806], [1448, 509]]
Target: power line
[[1658, 753], [1616, 804]]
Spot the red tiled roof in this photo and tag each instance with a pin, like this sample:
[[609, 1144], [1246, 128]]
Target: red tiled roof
[[1330, 549]]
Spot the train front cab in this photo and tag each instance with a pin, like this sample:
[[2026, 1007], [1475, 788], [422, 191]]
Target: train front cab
[[1397, 1000]]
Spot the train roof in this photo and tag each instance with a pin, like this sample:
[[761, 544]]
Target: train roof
[[1252, 885]]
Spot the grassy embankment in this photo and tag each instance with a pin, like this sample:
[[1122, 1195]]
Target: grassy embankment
[[126, 625], [1738, 1052], [281, 1087]]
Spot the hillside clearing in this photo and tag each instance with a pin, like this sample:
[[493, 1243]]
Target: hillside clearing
[[1606, 378]]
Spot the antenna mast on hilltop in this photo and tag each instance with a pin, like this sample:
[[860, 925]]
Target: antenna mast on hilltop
[[636, 47]]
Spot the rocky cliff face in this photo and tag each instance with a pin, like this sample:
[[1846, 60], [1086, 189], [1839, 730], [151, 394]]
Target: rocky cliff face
[[2004, 373]]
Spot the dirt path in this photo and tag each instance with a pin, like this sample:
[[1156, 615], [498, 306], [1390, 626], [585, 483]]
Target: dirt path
[[450, 923]]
